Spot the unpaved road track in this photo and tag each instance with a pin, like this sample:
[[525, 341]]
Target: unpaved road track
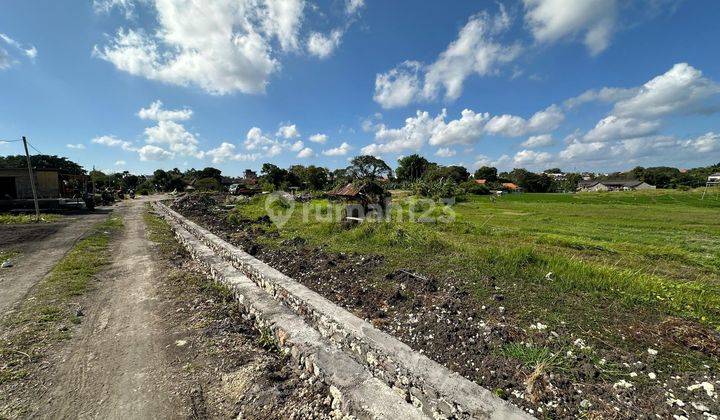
[[41, 246], [117, 365]]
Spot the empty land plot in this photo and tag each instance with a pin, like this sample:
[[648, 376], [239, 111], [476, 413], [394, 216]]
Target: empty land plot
[[562, 303]]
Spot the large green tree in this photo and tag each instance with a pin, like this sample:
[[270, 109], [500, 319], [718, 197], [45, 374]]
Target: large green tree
[[315, 178], [454, 173], [42, 162], [530, 181], [412, 168], [488, 173], [368, 167], [273, 175]]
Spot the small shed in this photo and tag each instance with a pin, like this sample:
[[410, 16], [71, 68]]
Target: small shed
[[15, 184], [361, 196]]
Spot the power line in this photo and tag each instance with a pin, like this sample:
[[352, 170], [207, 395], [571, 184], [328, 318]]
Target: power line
[[35, 148], [9, 141]]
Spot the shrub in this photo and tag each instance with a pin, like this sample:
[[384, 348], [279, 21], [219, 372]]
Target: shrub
[[207, 184], [443, 188], [472, 187]]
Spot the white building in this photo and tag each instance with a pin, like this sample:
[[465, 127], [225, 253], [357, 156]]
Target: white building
[[614, 186]]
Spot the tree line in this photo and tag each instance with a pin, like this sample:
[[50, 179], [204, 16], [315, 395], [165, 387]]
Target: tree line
[[413, 172]]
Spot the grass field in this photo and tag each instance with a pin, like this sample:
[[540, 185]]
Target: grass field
[[610, 254], [627, 283]]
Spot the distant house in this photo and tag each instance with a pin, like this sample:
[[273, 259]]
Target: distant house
[[557, 176], [609, 185], [53, 187], [511, 187], [481, 181], [714, 178]]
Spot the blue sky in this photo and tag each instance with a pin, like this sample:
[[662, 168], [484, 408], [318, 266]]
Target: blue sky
[[582, 84]]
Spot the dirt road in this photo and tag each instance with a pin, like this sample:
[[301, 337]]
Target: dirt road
[[116, 367], [40, 246], [155, 339]]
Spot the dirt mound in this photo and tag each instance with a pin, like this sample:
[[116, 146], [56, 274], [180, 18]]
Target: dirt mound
[[196, 203], [691, 335]]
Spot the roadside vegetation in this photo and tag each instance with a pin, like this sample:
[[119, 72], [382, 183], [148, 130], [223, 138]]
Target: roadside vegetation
[[233, 369], [47, 317], [14, 219]]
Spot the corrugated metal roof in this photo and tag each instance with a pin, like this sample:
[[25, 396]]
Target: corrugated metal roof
[[349, 190]]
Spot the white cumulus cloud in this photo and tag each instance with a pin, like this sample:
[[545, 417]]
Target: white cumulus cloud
[[174, 136], [321, 45], [226, 151], [78, 146], [475, 51], [399, 86], [353, 6], [113, 141], [223, 46], [681, 90], [617, 128], [288, 131], [553, 20], [531, 158], [542, 140], [515, 126], [318, 138], [156, 112], [297, 146], [219, 46], [155, 153], [341, 150], [445, 152], [468, 129], [465, 130], [306, 153]]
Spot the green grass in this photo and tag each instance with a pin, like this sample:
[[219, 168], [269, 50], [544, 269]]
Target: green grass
[[529, 355], [14, 219], [8, 254], [161, 233], [47, 315], [658, 251]]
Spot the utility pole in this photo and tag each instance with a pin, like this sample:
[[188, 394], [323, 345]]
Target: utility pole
[[32, 181]]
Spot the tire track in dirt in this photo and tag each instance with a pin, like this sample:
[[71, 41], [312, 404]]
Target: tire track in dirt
[[117, 365], [41, 246]]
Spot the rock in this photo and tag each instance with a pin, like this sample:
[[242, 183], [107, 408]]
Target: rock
[[6, 264]]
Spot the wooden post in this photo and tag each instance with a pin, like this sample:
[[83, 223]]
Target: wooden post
[[32, 181]]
